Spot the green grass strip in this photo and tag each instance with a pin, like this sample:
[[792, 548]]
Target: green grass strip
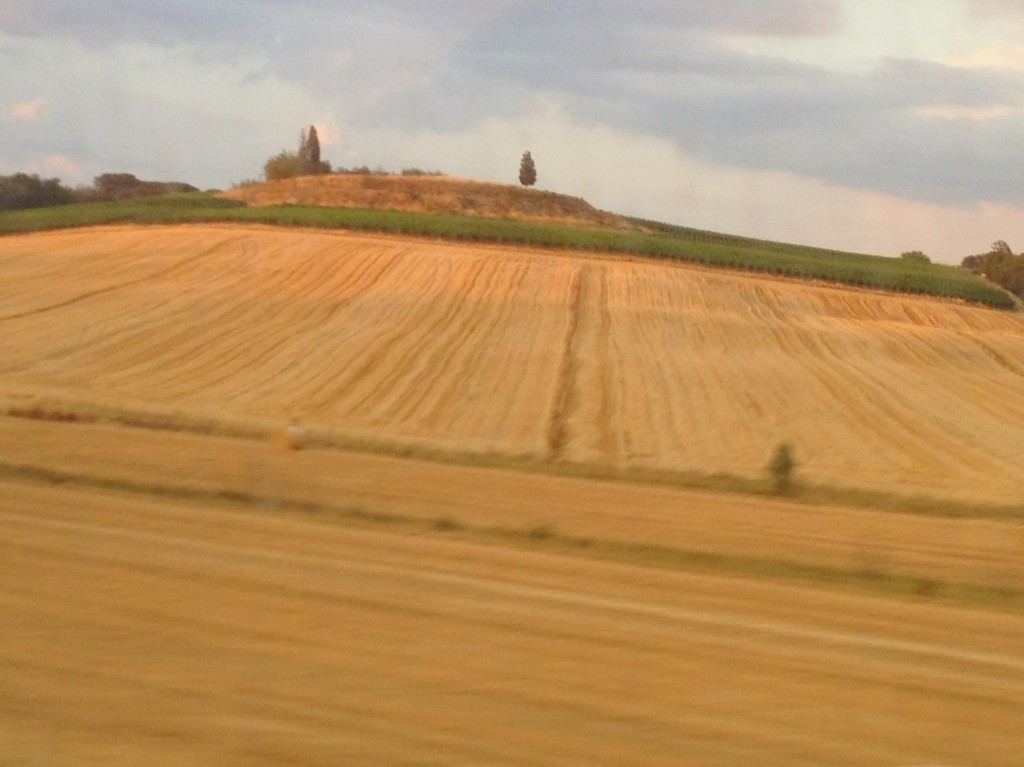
[[648, 239]]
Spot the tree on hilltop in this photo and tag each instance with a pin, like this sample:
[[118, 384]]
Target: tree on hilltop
[[527, 170], [999, 265], [915, 255], [22, 191], [309, 149], [305, 162]]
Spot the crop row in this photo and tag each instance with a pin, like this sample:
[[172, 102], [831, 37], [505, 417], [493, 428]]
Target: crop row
[[648, 238]]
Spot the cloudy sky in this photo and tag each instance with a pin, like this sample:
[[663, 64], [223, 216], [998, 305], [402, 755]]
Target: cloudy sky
[[870, 125]]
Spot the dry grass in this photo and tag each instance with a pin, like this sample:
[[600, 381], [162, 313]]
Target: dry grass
[[429, 194]]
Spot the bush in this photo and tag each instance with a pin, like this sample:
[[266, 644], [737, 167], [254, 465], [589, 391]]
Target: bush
[[420, 172], [125, 186], [284, 165], [781, 469]]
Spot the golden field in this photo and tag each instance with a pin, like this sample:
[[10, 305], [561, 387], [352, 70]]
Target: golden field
[[618, 363], [488, 554], [140, 631]]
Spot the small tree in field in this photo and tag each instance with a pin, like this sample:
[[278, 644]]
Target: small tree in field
[[999, 265], [527, 170], [781, 469], [915, 255]]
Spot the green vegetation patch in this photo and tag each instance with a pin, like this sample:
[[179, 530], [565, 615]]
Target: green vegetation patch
[[648, 239]]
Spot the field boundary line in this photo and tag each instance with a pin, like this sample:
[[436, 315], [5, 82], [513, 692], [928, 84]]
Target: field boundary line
[[545, 538], [784, 629], [716, 482]]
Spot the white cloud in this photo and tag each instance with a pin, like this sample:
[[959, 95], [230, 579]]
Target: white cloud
[[28, 111], [1007, 55], [327, 134], [60, 165], [999, 9]]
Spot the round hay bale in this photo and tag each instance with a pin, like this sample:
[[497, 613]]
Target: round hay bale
[[292, 437]]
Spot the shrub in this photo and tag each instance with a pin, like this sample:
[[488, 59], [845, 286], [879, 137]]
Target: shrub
[[283, 165], [781, 469]]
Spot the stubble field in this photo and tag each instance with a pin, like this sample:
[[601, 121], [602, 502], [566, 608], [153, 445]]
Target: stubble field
[[441, 577], [610, 362]]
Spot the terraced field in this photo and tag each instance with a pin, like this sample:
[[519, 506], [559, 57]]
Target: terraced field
[[412, 344]]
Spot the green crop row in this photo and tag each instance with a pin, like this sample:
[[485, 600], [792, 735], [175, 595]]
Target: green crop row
[[651, 239]]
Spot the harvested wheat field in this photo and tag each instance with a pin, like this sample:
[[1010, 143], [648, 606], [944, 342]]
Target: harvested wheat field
[[455, 561], [548, 356], [141, 631], [982, 552]]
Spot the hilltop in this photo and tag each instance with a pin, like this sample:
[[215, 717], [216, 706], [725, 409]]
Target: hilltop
[[430, 194]]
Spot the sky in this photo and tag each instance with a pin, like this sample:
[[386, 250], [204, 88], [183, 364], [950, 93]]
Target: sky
[[876, 126]]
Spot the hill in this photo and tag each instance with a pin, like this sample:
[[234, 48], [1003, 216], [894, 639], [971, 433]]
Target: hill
[[518, 354], [520, 499], [429, 194]]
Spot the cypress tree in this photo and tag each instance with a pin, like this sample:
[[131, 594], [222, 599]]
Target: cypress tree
[[313, 146], [527, 170]]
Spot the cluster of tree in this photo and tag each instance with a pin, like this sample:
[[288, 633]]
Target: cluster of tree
[[23, 191], [125, 186], [999, 265], [915, 255], [305, 162]]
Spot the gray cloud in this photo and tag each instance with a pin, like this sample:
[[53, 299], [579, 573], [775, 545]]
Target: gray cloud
[[164, 23], [757, 17], [862, 130], [652, 66]]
